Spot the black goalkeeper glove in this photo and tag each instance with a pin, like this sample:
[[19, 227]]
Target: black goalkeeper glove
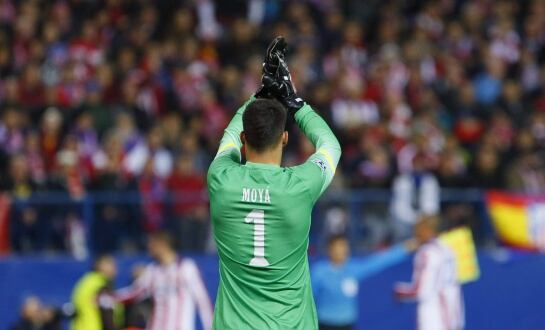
[[275, 51], [282, 88], [276, 79]]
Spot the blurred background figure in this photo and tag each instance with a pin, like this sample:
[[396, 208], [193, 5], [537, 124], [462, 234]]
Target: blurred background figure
[[36, 316], [189, 207], [94, 305], [138, 311], [414, 193], [335, 282], [435, 284], [175, 285]]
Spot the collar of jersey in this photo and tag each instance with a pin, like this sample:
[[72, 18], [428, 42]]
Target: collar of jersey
[[262, 165]]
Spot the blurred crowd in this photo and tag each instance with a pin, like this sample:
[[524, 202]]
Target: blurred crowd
[[131, 97]]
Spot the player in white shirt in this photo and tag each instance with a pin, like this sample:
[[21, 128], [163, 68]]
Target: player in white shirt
[[434, 286], [176, 287]]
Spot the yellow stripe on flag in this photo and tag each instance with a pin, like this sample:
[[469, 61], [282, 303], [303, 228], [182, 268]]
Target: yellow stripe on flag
[[511, 223], [460, 241]]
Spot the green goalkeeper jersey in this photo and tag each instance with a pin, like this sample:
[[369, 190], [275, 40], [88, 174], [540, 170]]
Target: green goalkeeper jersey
[[261, 220]]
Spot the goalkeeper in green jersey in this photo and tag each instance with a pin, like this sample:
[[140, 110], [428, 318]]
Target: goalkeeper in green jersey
[[261, 211]]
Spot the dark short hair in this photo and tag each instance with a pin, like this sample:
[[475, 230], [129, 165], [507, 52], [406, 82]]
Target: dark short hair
[[263, 122]]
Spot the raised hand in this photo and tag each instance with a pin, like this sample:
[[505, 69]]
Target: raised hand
[[275, 51], [281, 87]]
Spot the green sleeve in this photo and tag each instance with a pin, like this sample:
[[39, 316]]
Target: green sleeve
[[319, 169], [230, 144]]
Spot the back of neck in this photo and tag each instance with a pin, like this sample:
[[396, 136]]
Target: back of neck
[[270, 156], [168, 258]]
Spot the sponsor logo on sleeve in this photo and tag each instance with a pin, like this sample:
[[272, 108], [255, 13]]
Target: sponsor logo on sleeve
[[321, 164]]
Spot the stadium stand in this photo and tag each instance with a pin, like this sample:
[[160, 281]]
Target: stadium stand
[[131, 96]]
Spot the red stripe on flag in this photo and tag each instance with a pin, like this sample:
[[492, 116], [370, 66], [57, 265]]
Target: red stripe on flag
[[521, 200]]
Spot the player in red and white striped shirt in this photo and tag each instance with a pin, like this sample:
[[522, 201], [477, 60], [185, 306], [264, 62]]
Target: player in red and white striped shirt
[[435, 285], [176, 287]]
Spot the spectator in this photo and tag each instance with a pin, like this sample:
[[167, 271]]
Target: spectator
[[129, 134], [420, 145], [11, 131], [151, 150], [172, 126], [19, 182], [51, 126], [526, 174], [488, 84], [85, 135], [453, 164], [486, 170], [189, 146], [117, 223], [70, 175], [189, 209], [351, 110], [152, 189], [372, 167], [28, 233], [101, 114], [414, 194], [511, 101], [34, 158]]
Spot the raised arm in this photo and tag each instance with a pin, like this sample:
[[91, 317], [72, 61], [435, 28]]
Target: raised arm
[[318, 170], [140, 289], [423, 281], [377, 262], [328, 149], [230, 143]]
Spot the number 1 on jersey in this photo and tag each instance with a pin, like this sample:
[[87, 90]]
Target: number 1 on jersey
[[258, 218]]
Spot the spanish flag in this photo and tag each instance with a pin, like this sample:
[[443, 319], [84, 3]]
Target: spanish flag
[[519, 220]]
